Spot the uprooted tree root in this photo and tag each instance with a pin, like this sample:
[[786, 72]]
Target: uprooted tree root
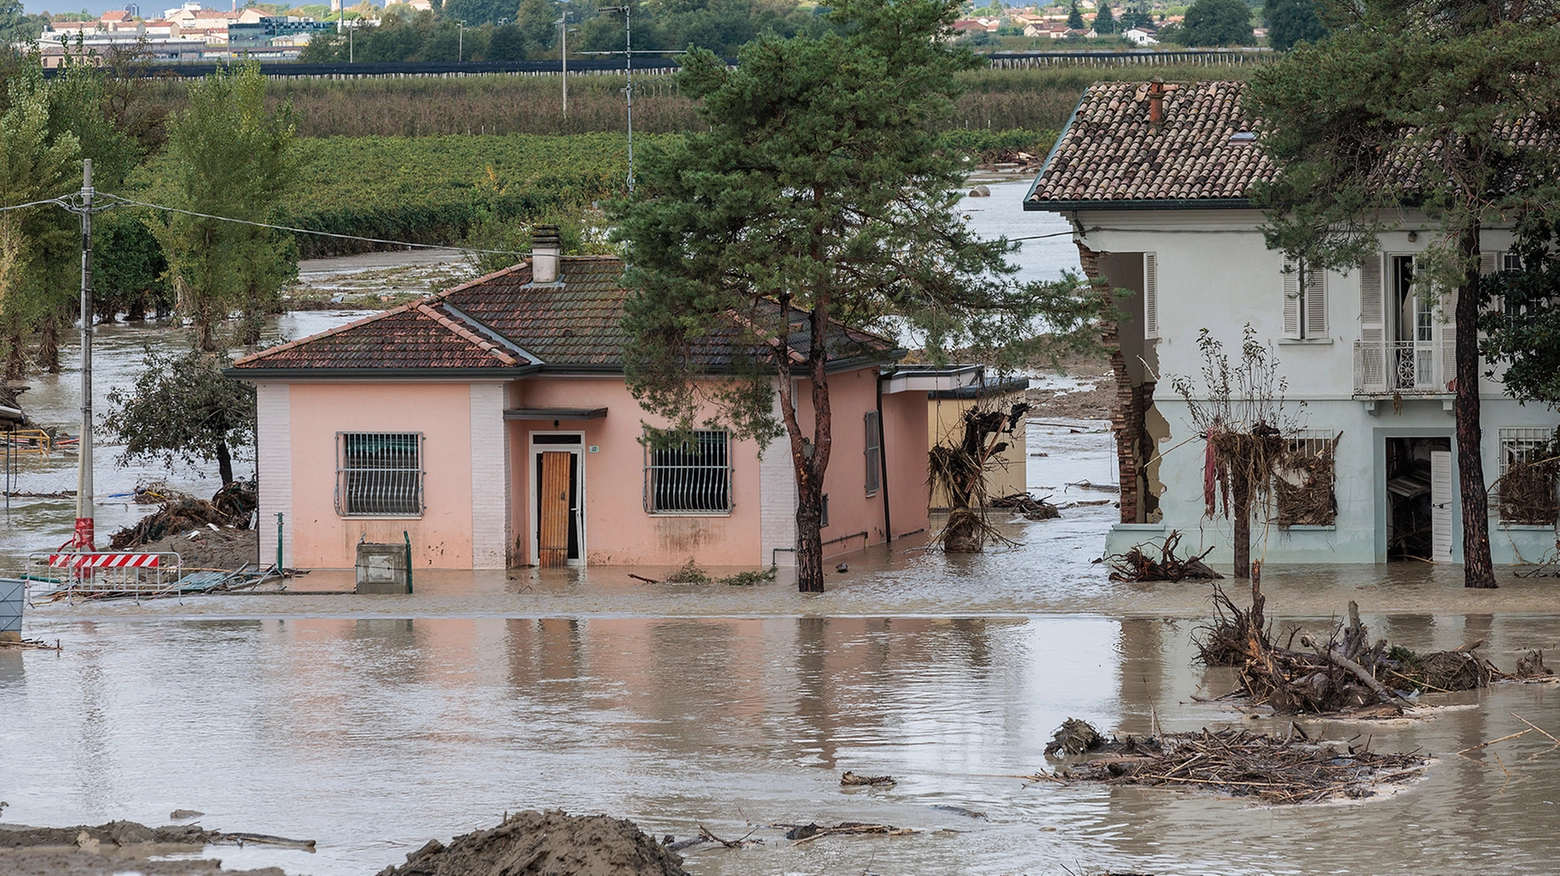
[[1244, 764], [1344, 673], [233, 506], [1137, 564]]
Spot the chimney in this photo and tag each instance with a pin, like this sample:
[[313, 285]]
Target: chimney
[[545, 247], [1156, 100]]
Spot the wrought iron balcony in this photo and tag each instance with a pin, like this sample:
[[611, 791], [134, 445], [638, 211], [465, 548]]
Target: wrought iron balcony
[[1403, 368]]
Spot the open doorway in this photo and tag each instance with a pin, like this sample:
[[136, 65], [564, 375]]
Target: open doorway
[[1419, 499]]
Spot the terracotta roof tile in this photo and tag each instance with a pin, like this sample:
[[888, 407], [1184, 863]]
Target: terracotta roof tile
[[1112, 152], [503, 320], [412, 336]]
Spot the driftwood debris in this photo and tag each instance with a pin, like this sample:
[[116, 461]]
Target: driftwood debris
[[1077, 736], [1029, 506], [851, 780], [1345, 672], [808, 832], [1245, 764], [232, 506], [957, 469], [1137, 564]]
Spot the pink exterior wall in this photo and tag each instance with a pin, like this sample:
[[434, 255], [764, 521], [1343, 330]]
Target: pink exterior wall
[[851, 395], [441, 538], [618, 531]]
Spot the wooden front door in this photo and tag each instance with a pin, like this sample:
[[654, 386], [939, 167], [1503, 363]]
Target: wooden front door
[[553, 512]]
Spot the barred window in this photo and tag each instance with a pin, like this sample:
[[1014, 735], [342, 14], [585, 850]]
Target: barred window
[[688, 473], [874, 455], [1305, 479], [1526, 492], [379, 474]]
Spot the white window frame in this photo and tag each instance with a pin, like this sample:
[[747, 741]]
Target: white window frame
[[707, 483], [350, 478], [1305, 309]]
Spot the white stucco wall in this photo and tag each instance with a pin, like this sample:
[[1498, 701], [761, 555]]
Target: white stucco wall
[[1214, 271]]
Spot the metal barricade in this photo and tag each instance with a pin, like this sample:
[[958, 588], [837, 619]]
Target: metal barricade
[[107, 574]]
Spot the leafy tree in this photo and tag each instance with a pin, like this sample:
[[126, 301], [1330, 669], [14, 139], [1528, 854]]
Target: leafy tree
[[1104, 21], [229, 155], [1075, 17], [538, 23], [1217, 23], [1136, 14], [33, 166], [818, 186], [1523, 332], [182, 408], [478, 12], [1293, 21], [1436, 87]]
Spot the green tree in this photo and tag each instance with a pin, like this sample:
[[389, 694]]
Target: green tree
[[1217, 23], [818, 186], [182, 409], [1523, 332], [33, 166], [1437, 87], [231, 156], [1135, 14], [478, 12], [1104, 20], [1293, 21], [1075, 17]]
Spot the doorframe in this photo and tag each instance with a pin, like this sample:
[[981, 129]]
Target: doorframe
[[1379, 494], [533, 505]]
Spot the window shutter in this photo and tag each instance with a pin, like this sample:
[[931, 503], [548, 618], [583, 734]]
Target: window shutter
[[1291, 301], [1150, 296], [1316, 303], [1489, 262], [1372, 330], [1370, 369]]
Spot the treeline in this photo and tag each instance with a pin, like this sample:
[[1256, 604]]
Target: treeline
[[500, 30]]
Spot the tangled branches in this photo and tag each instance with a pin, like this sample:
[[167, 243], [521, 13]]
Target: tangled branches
[[959, 469]]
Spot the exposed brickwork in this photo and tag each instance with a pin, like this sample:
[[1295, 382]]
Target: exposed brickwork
[[1127, 415]]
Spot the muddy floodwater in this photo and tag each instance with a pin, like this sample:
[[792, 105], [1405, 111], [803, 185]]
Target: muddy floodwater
[[371, 724]]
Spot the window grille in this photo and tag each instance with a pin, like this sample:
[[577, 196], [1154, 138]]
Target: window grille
[[1526, 494], [874, 455], [688, 475], [379, 474], [1305, 478]]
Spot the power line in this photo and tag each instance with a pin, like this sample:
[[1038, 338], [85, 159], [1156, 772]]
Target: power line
[[134, 203]]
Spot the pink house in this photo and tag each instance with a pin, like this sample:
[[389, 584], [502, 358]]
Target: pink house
[[492, 425]]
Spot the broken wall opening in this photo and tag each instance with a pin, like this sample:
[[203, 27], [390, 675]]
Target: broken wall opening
[[1137, 425]]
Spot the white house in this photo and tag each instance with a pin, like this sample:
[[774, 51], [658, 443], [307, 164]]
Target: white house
[[1155, 184], [1140, 37]]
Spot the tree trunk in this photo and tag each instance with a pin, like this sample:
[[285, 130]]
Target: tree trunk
[[49, 345], [224, 463], [1240, 487], [809, 538], [1478, 569], [16, 356]]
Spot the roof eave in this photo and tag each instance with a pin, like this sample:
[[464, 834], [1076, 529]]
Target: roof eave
[[337, 375], [1156, 204]]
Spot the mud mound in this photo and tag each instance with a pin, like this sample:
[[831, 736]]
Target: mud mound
[[544, 844]]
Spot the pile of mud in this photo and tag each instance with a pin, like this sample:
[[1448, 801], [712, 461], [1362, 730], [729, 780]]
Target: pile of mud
[[110, 849], [544, 843]]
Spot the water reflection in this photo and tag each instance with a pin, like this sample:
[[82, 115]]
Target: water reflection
[[373, 734]]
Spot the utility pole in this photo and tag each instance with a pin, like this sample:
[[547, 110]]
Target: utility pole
[[84, 516], [460, 40], [563, 53]]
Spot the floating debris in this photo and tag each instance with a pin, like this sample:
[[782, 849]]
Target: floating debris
[[850, 779], [1137, 565], [1245, 764]]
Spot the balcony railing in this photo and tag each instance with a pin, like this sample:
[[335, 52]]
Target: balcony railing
[[1404, 368]]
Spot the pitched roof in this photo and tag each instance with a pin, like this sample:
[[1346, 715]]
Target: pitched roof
[[504, 324], [1113, 155], [413, 336]]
